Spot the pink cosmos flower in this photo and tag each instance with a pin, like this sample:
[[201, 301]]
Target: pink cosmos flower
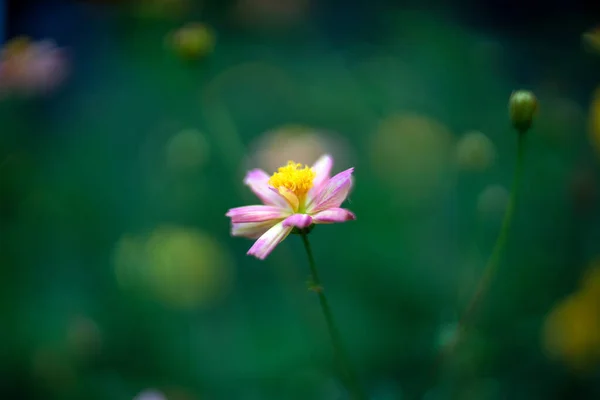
[[31, 68], [293, 197]]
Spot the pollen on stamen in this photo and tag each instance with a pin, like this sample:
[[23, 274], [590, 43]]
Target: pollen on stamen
[[294, 177]]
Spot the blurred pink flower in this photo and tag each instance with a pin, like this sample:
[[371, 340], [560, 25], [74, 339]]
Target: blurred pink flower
[[31, 68], [150, 394], [293, 197]]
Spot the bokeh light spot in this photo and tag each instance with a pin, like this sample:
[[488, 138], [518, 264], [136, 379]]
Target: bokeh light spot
[[571, 332], [150, 394], [192, 41], [84, 337], [181, 267], [129, 261], [187, 150], [475, 152], [411, 153], [591, 40], [296, 142], [492, 202]]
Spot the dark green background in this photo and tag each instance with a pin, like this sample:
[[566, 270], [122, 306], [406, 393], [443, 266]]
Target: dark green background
[[79, 176]]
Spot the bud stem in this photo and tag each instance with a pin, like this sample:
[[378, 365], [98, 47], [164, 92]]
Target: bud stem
[[350, 378], [494, 260]]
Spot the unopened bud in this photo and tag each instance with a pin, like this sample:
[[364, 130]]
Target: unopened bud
[[522, 108]]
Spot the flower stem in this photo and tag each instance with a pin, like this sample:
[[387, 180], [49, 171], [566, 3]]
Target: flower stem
[[494, 260], [349, 374]]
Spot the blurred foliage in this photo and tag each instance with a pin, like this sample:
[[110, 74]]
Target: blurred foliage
[[120, 278]]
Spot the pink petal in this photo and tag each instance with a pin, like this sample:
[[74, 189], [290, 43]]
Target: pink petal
[[332, 215], [258, 181], [333, 193], [255, 214], [298, 220], [251, 230], [269, 240], [322, 168], [290, 197]]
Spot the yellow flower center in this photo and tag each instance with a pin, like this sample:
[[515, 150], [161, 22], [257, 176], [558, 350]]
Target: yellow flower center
[[16, 46], [295, 178]]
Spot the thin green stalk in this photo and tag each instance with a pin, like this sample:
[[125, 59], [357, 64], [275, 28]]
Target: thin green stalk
[[350, 377], [494, 260]]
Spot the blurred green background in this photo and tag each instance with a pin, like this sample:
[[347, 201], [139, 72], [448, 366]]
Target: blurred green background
[[119, 275]]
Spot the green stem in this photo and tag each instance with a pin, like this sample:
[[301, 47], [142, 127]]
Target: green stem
[[494, 260], [336, 339]]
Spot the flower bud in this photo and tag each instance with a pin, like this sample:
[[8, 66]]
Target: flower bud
[[522, 108]]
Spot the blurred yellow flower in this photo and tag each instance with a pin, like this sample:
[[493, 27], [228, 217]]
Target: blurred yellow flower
[[594, 120], [187, 268], [590, 283], [572, 329], [16, 45], [591, 40], [181, 267], [571, 332], [192, 41]]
